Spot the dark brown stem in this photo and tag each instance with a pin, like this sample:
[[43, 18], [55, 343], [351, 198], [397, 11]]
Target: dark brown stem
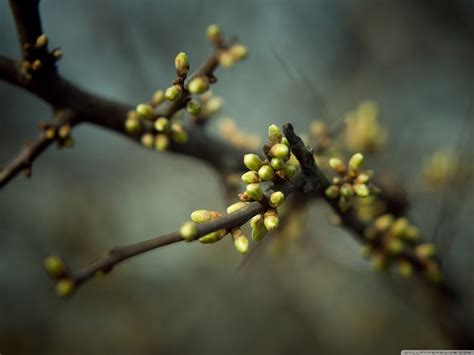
[[27, 21]]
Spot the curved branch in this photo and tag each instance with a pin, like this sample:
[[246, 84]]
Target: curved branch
[[27, 21]]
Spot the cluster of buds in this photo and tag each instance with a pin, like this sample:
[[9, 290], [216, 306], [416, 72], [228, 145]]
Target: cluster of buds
[[227, 55], [61, 134], [387, 240], [58, 271], [163, 129], [229, 130], [274, 168], [363, 130], [352, 181], [38, 57]]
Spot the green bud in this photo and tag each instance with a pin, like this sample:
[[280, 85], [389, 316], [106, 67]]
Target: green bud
[[332, 192], [258, 228], [399, 227], [405, 269], [173, 93], [362, 178], [241, 244], [346, 190], [288, 171], [54, 266], [178, 134], [181, 64], [274, 134], [162, 142], [395, 246], [210, 238], [254, 191], [285, 141], [148, 140], [193, 107], [56, 54], [344, 203], [337, 165], [214, 33], [162, 124], [238, 51], [250, 177], [280, 151], [252, 162], [198, 85], [158, 97], [356, 163], [235, 207], [425, 251], [188, 231], [266, 173], [200, 216], [276, 199], [411, 233], [36, 65], [145, 111], [65, 287], [361, 190], [226, 60], [41, 41], [132, 125], [270, 220], [277, 164]]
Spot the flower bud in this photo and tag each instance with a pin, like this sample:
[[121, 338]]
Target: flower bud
[[64, 131], [178, 134], [405, 269], [279, 150], [36, 65], [288, 171], [277, 164], [241, 244], [238, 51], [361, 190], [145, 111], [250, 177], [148, 140], [337, 165], [399, 227], [254, 191], [285, 141], [266, 173], [235, 207], [362, 178], [200, 216], [193, 107], [132, 125], [383, 223], [274, 134], [252, 162], [161, 142], [210, 238], [411, 233], [56, 54], [258, 228], [425, 251], [65, 287], [41, 41], [276, 199], [181, 64], [270, 220], [188, 231], [395, 246], [332, 192], [344, 203], [198, 85], [55, 267], [173, 93], [214, 33], [226, 60], [346, 190], [158, 97], [213, 105], [356, 163], [162, 124]]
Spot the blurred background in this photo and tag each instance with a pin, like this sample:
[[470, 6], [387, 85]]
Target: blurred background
[[307, 60]]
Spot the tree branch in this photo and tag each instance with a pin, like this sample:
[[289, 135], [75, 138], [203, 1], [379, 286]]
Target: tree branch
[[28, 23]]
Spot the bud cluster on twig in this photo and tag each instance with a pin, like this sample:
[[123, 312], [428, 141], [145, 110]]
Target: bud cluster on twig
[[37, 57]]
